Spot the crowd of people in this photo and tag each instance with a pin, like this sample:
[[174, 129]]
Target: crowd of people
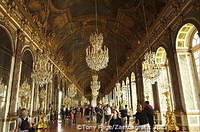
[[112, 116], [102, 115]]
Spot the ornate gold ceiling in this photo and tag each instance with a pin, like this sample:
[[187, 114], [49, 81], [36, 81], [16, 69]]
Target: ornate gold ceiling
[[70, 22]]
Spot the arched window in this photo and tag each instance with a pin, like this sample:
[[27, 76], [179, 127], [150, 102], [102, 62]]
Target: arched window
[[128, 92], [196, 51], [6, 55], [188, 53], [125, 93], [163, 81], [5, 66], [133, 92], [24, 100], [148, 91]]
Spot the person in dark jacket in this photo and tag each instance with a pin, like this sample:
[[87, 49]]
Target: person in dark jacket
[[24, 122], [62, 113], [124, 114], [67, 112], [81, 111], [141, 119], [115, 122], [99, 113], [150, 114], [87, 113]]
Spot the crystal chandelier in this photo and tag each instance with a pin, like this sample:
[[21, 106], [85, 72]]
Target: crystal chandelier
[[95, 85], [97, 56], [67, 101], [72, 90], [105, 99], [24, 94], [118, 89], [3, 89], [25, 89], [151, 70], [83, 100], [42, 70]]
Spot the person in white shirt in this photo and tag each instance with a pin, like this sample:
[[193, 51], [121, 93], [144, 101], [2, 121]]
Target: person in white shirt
[[108, 113]]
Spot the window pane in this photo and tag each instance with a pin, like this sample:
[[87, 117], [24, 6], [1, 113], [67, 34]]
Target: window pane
[[196, 40], [197, 61]]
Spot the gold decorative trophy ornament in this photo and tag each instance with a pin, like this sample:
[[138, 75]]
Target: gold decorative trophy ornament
[[42, 123], [67, 102], [170, 117], [42, 117], [24, 94]]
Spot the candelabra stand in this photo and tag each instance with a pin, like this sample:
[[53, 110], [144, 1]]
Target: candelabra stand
[[42, 117], [170, 117], [42, 123]]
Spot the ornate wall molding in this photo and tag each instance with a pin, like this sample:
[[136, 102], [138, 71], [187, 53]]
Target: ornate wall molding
[[15, 15]]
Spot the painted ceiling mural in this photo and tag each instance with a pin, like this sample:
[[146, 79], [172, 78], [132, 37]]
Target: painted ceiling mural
[[70, 23]]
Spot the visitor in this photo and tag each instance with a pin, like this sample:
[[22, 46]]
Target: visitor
[[81, 111], [62, 113], [55, 115], [52, 116], [75, 113], [115, 122], [67, 112], [108, 113], [124, 114], [128, 114], [19, 111], [87, 113], [24, 122], [99, 114], [141, 119], [150, 114], [71, 116]]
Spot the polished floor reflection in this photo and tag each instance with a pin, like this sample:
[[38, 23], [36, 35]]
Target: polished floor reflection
[[63, 126], [81, 126]]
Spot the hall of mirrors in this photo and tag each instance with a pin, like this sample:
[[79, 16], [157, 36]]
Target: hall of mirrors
[[51, 63]]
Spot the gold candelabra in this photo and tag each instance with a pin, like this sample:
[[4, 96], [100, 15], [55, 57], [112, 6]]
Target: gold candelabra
[[24, 94], [42, 123], [42, 117], [147, 97], [170, 117]]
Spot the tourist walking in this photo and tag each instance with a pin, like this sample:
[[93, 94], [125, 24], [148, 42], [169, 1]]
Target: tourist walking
[[141, 119], [108, 113], [115, 122], [150, 114], [124, 114], [99, 113], [87, 113]]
